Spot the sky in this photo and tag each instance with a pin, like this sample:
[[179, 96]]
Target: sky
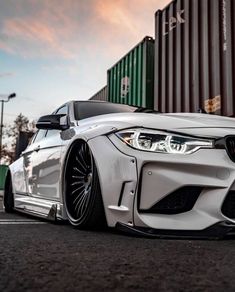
[[53, 51]]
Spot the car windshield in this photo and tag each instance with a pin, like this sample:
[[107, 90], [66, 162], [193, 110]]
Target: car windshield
[[89, 109]]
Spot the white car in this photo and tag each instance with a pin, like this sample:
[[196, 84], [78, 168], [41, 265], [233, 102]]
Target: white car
[[96, 163]]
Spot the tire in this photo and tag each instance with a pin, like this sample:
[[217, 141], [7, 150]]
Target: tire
[[83, 199], [8, 199]]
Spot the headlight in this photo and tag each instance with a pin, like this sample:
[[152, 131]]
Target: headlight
[[162, 142]]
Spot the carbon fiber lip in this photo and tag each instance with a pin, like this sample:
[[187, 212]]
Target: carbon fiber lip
[[217, 231]]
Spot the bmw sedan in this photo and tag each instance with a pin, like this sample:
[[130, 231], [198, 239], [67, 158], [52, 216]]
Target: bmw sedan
[[100, 164]]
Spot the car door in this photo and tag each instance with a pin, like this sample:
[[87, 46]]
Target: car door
[[46, 164], [23, 195]]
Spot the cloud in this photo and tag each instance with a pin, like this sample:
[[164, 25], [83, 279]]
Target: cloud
[[129, 17], [70, 69], [115, 14], [6, 74], [4, 46], [31, 37], [43, 29], [70, 29]]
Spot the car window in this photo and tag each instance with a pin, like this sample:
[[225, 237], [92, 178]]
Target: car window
[[39, 135], [62, 111], [85, 109], [51, 132], [31, 141]]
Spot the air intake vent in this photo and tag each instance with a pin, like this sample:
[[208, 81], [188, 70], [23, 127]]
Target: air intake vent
[[230, 147], [182, 200], [228, 208]]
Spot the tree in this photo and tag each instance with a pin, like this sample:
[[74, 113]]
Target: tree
[[11, 133]]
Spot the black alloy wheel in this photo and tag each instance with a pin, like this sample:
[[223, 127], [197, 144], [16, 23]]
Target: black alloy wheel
[[83, 200]]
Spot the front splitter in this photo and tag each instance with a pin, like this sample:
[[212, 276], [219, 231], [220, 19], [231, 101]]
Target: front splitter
[[217, 231]]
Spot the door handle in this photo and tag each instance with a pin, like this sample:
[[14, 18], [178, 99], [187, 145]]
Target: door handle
[[32, 179], [37, 148]]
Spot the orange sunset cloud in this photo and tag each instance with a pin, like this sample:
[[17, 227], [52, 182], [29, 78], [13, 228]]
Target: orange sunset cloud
[[67, 29]]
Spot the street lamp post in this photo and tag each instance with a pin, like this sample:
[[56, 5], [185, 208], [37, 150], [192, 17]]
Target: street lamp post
[[1, 126]]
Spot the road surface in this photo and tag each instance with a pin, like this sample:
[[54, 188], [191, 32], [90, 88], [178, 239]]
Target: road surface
[[41, 256]]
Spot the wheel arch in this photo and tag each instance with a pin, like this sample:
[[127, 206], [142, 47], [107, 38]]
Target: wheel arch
[[91, 133], [8, 193], [76, 143], [88, 133], [8, 179]]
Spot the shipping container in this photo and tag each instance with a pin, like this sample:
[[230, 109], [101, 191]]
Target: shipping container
[[3, 174], [195, 57], [131, 79], [100, 95]]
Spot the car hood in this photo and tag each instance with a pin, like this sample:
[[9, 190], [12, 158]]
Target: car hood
[[203, 125]]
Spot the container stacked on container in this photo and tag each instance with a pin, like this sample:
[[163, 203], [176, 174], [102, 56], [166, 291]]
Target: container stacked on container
[[195, 57], [102, 94]]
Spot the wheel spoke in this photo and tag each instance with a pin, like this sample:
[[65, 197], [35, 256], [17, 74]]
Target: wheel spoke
[[77, 189], [81, 165], [77, 183], [82, 158], [78, 170], [86, 202], [78, 197], [79, 202], [82, 202], [78, 176]]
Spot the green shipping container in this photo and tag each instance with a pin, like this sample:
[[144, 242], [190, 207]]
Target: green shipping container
[[131, 80], [3, 172]]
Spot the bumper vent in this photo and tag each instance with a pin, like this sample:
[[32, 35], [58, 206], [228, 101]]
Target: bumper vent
[[230, 147], [180, 201], [228, 208]]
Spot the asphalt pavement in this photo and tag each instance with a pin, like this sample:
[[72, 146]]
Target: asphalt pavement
[[36, 255]]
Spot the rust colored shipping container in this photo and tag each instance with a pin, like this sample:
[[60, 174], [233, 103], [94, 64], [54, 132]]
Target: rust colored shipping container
[[102, 94], [195, 57]]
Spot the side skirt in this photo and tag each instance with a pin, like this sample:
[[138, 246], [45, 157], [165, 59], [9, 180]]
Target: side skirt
[[43, 208]]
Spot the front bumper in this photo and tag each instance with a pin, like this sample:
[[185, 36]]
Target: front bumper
[[133, 181]]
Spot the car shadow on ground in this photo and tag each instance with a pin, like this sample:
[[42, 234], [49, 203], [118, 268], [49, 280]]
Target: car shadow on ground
[[107, 230]]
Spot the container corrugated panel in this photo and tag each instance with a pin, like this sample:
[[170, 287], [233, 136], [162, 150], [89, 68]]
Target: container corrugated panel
[[131, 80], [195, 57], [3, 173], [100, 95]]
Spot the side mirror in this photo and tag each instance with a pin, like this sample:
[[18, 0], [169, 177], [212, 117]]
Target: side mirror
[[53, 122]]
